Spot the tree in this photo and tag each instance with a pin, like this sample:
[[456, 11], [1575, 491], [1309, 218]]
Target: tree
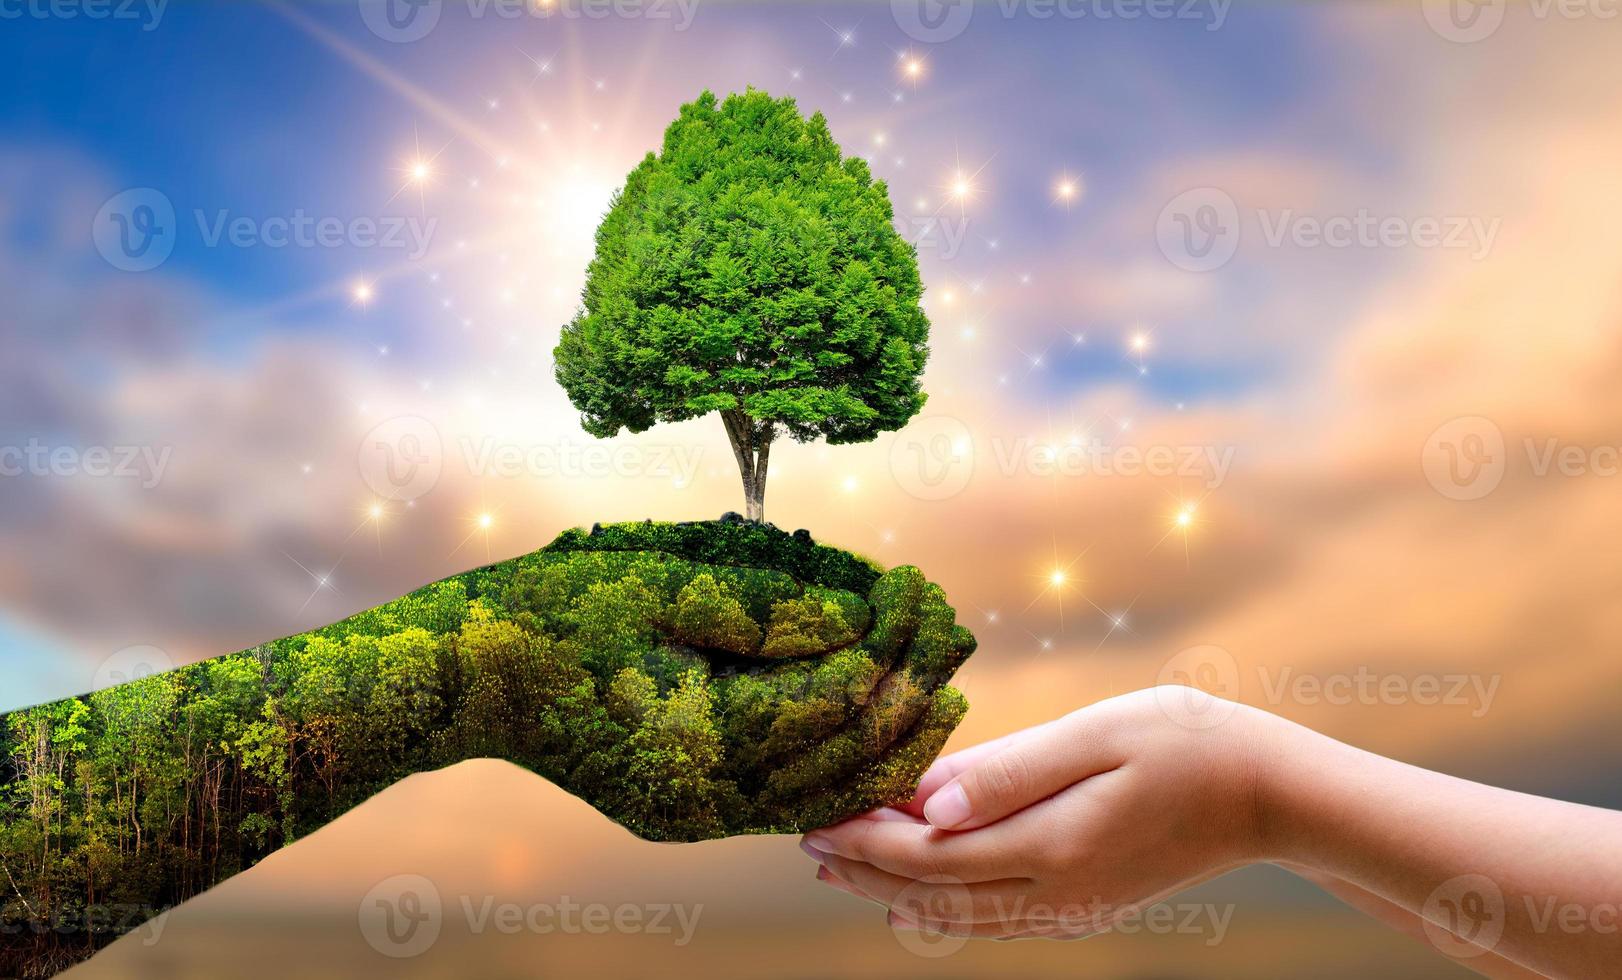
[[749, 269]]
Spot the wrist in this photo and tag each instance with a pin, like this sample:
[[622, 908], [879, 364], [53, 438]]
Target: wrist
[[1281, 759]]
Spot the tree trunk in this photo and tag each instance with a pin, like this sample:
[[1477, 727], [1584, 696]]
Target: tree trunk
[[752, 447]]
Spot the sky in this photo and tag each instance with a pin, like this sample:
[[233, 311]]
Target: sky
[[1284, 331]]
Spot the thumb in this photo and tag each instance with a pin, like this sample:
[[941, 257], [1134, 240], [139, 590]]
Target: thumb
[[948, 767], [1051, 758]]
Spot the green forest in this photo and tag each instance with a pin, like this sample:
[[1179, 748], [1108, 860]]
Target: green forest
[[690, 681]]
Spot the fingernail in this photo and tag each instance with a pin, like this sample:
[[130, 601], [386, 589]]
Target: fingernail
[[823, 874], [815, 854], [947, 808], [903, 925]]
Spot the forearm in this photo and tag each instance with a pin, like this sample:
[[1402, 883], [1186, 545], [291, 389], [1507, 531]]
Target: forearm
[[1406, 922], [684, 698], [117, 805], [1535, 881]]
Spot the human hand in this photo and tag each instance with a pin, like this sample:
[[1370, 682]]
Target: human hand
[[1062, 829]]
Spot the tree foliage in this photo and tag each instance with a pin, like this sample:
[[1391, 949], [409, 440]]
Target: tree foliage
[[752, 270]]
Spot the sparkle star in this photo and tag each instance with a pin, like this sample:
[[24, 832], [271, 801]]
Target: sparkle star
[[1067, 190]]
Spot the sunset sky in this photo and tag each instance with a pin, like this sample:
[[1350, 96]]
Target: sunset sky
[[1291, 331]]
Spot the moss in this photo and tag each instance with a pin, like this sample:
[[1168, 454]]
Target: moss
[[731, 541], [809, 684], [708, 614]]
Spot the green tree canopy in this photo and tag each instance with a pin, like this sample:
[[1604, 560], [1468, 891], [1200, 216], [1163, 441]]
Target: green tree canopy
[[749, 269]]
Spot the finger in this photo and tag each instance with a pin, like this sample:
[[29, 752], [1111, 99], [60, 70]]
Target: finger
[[829, 878], [948, 767], [950, 900], [959, 930], [881, 815], [1025, 772], [1055, 934], [916, 850], [890, 813]]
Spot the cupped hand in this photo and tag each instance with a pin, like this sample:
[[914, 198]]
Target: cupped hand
[[1062, 829]]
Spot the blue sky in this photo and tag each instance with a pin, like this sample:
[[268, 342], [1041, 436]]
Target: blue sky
[[233, 106]]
